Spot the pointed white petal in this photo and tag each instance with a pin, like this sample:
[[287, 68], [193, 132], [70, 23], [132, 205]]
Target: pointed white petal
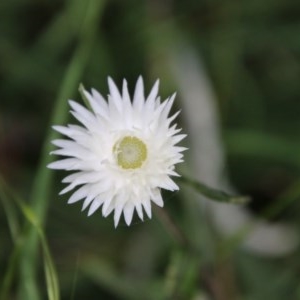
[[138, 97], [153, 93], [115, 94], [172, 118], [106, 206], [87, 201], [82, 111], [180, 149], [68, 188], [118, 212], [78, 195], [77, 152], [173, 173], [94, 206], [157, 198], [64, 164], [96, 101], [128, 212], [167, 108], [168, 184], [177, 138], [139, 210], [147, 206], [69, 132], [125, 94], [109, 209], [101, 103]]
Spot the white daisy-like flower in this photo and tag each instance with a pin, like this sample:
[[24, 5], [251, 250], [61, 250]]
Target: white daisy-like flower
[[125, 153]]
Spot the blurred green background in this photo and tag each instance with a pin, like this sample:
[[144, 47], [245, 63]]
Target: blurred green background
[[250, 54]]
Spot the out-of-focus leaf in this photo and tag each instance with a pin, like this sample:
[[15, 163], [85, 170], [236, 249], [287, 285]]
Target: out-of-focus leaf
[[104, 274]]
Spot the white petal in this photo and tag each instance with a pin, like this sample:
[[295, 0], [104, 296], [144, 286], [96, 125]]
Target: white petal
[[168, 106], [96, 101], [118, 212], [77, 130], [101, 102], [110, 208], [75, 152], [159, 110], [69, 132], [78, 195], [66, 144], [120, 202], [168, 184], [115, 112], [173, 117], [157, 198], [173, 130], [125, 94], [153, 94], [147, 206], [139, 210], [94, 206], [177, 138], [173, 173], [90, 124], [107, 206], [68, 188], [115, 94], [82, 111], [87, 201], [138, 97], [83, 177], [127, 107], [128, 212], [64, 164], [180, 149]]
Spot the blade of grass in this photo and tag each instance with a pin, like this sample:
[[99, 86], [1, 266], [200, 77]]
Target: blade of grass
[[11, 214], [11, 269], [12, 220], [50, 273], [43, 179]]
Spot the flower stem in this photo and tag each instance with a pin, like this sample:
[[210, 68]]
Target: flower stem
[[171, 227]]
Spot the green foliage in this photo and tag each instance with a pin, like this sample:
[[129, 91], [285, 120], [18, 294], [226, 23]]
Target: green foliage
[[251, 53]]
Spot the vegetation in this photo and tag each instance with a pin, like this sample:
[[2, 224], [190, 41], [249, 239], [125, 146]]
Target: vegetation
[[243, 57]]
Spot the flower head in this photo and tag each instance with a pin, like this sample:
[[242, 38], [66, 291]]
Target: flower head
[[124, 153]]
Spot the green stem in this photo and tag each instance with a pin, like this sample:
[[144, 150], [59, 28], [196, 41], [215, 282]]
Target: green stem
[[171, 227], [44, 177], [212, 193]]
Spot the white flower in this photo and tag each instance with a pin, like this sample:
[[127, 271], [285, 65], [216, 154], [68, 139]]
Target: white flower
[[125, 153]]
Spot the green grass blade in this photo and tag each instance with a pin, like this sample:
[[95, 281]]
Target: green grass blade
[[9, 197], [11, 214], [43, 180]]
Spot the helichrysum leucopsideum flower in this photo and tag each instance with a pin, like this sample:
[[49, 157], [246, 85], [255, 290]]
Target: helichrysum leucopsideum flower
[[124, 153]]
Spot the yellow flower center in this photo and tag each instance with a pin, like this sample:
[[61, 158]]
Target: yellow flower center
[[130, 152]]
